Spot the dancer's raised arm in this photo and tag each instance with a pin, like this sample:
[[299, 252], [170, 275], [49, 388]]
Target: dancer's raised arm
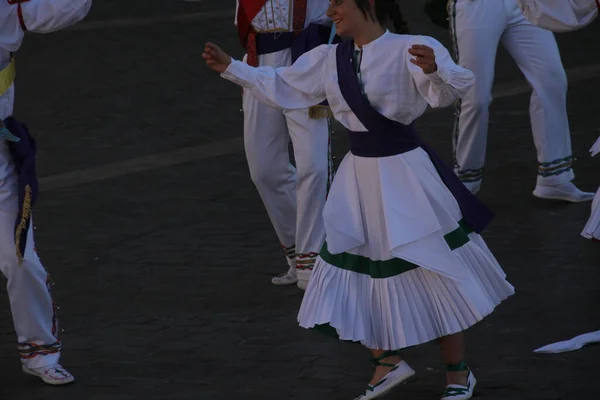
[[298, 86]]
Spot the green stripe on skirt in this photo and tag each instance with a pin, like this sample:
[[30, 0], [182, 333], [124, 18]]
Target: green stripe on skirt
[[395, 266]]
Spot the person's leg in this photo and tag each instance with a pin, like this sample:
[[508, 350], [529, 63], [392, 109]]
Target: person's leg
[[476, 28], [310, 138], [453, 353], [459, 379], [536, 53], [266, 141], [28, 287]]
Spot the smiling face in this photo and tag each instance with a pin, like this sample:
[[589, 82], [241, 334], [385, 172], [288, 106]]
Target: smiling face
[[348, 18]]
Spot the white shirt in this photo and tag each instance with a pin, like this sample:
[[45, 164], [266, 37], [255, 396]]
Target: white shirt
[[394, 86], [40, 16], [559, 15]]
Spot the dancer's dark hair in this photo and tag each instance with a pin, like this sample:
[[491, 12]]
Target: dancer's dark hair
[[384, 10]]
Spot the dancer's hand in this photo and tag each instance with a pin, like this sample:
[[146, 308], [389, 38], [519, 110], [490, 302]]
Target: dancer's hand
[[424, 58], [216, 59]]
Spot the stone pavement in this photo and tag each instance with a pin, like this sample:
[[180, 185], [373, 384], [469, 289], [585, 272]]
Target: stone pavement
[[162, 264]]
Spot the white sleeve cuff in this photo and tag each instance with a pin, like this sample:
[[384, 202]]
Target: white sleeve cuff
[[239, 73], [437, 78]]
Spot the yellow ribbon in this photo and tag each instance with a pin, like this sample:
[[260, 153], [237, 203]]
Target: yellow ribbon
[[7, 76]]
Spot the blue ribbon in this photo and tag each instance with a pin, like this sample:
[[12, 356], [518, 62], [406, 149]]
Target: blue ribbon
[[332, 36], [8, 136]]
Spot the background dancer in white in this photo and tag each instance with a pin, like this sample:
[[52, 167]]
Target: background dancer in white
[[567, 16], [294, 197], [28, 282], [477, 26]]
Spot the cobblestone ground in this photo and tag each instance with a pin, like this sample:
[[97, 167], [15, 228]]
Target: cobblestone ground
[[162, 264]]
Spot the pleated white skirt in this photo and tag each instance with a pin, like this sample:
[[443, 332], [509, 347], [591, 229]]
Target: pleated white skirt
[[399, 267]]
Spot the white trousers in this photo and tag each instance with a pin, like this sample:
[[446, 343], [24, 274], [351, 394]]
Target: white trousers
[[477, 27], [294, 197], [29, 284]]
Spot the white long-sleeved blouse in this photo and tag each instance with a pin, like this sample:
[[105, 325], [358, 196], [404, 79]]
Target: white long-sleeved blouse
[[394, 86]]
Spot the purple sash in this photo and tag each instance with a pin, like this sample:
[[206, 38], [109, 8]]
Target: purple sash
[[23, 154], [386, 137], [313, 36]]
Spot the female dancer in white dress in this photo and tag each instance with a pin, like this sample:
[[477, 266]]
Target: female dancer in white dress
[[403, 263]]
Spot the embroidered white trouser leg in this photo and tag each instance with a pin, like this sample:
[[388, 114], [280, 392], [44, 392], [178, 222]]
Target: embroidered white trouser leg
[[28, 284], [536, 53], [477, 27], [266, 143], [310, 139], [294, 198]]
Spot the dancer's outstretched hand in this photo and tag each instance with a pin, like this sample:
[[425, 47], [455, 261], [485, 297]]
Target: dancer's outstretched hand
[[424, 58], [216, 59]]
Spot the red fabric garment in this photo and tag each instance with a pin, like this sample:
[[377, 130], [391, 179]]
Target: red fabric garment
[[19, 11], [248, 10], [299, 15]]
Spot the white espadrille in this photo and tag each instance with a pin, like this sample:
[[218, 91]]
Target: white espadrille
[[399, 373], [459, 392], [51, 374]]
